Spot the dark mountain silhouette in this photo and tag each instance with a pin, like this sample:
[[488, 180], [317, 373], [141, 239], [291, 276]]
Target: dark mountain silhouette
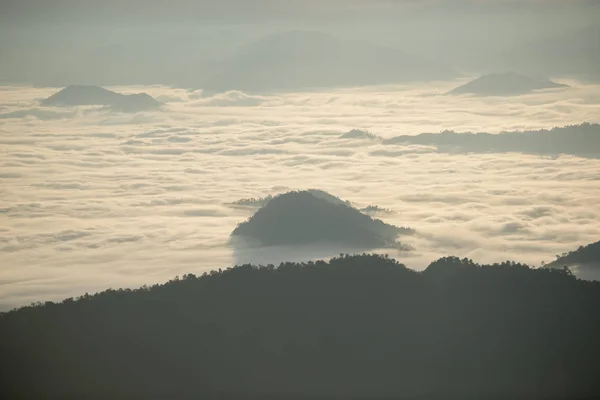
[[316, 217], [579, 140], [355, 327], [585, 261], [504, 84], [589, 254], [86, 95], [299, 60]]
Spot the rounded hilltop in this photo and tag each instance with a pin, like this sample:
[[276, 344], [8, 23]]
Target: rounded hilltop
[[316, 217]]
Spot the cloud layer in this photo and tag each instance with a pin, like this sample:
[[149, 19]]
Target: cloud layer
[[91, 199]]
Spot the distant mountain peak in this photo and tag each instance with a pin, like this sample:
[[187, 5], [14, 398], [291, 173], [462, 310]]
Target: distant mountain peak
[[88, 95], [505, 84]]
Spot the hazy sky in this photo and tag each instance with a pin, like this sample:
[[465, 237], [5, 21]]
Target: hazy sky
[[44, 39], [102, 11]]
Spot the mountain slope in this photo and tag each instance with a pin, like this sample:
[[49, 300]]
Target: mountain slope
[[315, 217], [584, 262], [360, 327]]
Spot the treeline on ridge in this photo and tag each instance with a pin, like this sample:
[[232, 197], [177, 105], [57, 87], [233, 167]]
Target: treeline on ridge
[[579, 140], [353, 327]]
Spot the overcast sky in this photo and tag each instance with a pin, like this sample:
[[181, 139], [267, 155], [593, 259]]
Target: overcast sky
[[130, 11]]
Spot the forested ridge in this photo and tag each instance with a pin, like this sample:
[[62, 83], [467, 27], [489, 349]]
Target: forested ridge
[[579, 140], [353, 327], [588, 255]]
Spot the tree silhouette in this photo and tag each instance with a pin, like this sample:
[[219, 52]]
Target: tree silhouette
[[353, 327]]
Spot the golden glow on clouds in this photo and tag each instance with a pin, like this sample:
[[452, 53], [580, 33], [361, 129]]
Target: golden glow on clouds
[[90, 199]]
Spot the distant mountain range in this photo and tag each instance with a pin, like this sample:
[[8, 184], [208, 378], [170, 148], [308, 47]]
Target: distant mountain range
[[581, 140], [205, 55], [299, 60], [504, 84], [86, 95]]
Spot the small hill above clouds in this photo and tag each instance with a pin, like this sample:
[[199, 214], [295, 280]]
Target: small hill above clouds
[[504, 84], [87, 95], [311, 217], [300, 60], [358, 134]]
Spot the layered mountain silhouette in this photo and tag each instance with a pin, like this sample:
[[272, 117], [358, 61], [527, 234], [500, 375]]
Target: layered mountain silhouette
[[504, 84], [87, 95], [585, 261], [354, 327], [299, 60], [316, 217], [580, 140]]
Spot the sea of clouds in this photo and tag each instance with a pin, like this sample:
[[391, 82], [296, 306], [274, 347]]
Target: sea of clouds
[[91, 199]]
